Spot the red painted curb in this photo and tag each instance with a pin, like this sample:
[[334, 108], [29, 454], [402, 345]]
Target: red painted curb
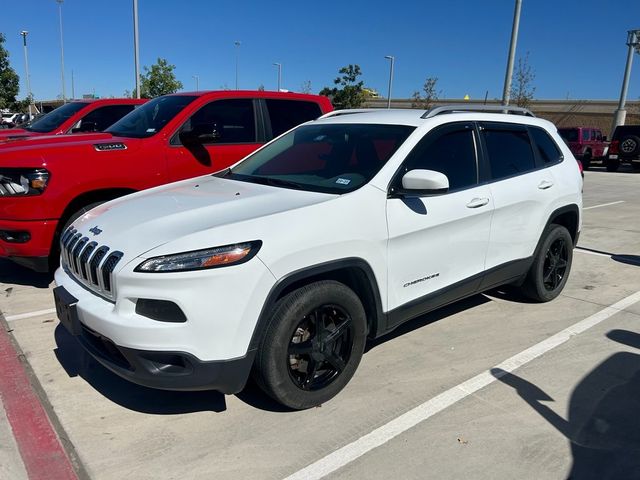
[[39, 445]]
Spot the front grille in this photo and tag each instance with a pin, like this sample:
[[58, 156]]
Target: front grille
[[88, 262]]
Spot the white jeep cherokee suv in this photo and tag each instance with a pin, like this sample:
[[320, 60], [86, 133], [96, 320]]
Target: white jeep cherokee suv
[[338, 231]]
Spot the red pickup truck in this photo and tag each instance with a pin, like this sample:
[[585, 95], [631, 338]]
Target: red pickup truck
[[45, 183], [79, 116]]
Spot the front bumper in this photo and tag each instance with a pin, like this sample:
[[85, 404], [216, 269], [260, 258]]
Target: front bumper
[[166, 370], [40, 232]]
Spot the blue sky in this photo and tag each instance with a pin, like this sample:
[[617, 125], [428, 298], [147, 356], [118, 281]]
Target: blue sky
[[576, 47]]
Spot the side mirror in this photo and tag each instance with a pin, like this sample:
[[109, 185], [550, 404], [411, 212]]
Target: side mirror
[[604, 138], [421, 183], [201, 133]]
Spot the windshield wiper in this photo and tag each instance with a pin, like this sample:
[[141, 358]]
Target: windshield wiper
[[278, 182]]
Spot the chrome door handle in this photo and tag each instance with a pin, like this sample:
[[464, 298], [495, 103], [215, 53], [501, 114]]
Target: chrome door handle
[[545, 184], [477, 202]]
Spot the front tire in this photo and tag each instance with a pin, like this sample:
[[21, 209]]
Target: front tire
[[586, 161], [551, 266], [312, 345]]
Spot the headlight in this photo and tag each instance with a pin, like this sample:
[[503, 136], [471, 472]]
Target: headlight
[[16, 182], [202, 259]]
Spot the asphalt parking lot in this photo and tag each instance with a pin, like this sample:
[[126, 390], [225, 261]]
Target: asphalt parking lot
[[491, 387]]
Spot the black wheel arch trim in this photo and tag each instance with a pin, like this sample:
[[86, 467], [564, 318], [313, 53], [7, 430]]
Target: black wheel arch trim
[[572, 208], [375, 315]]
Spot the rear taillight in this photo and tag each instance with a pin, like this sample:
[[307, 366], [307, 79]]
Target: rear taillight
[[580, 166], [614, 146]]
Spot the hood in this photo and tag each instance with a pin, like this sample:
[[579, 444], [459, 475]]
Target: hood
[[140, 222], [10, 132], [36, 139]]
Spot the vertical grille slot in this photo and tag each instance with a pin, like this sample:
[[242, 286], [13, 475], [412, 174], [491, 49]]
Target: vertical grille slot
[[95, 262], [108, 267], [75, 254], [84, 259]]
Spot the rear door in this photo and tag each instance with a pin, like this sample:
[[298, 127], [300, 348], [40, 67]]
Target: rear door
[[233, 131], [522, 192]]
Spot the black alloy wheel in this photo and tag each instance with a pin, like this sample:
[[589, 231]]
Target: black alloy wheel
[[320, 347], [555, 264]]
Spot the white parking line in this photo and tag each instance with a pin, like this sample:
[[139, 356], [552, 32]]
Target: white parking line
[[581, 250], [385, 433], [38, 313], [603, 205]]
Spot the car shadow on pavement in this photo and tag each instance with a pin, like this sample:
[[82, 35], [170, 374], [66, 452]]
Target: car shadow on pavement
[[622, 258], [13, 273], [429, 318], [603, 425], [77, 362]]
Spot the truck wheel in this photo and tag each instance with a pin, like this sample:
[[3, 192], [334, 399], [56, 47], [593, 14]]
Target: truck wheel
[[54, 256], [550, 269], [612, 165], [312, 345], [586, 161]]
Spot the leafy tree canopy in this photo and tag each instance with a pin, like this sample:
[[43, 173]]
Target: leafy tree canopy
[[349, 92], [158, 80], [9, 80]]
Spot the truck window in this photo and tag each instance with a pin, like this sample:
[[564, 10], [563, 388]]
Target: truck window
[[286, 114]]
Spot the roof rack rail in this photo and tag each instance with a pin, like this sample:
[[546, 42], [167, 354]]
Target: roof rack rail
[[337, 113], [477, 108]]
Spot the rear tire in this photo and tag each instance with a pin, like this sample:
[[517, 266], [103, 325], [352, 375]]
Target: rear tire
[[551, 266], [312, 345], [586, 161]]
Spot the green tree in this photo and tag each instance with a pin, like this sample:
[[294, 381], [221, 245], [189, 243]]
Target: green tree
[[522, 89], [9, 80], [306, 86], [350, 92], [159, 80], [430, 96]]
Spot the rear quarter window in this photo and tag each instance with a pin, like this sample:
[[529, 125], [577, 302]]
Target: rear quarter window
[[286, 114], [546, 148]]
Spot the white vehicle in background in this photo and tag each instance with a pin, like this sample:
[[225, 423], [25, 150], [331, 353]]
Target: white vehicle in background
[[8, 119], [338, 231]]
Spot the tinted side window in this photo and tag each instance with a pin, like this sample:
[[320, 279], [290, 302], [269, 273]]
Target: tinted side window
[[451, 152], [509, 151], [102, 118], [232, 121], [585, 135], [547, 149], [286, 114]]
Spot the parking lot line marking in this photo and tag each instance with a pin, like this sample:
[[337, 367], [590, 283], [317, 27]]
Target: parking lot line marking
[[37, 313], [38, 444], [603, 205], [588, 252], [383, 434]]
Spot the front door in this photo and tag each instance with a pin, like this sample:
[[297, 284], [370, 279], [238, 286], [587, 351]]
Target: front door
[[438, 242], [215, 137]]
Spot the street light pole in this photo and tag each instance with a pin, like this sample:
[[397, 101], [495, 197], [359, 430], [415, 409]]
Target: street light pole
[[393, 59], [506, 93], [64, 95], [24, 34], [237, 44], [633, 41], [197, 79], [279, 65], [136, 47], [73, 87]]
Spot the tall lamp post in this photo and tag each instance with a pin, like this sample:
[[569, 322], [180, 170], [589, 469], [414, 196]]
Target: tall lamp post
[[506, 93], [197, 79], [64, 95], [279, 65], [392, 59], [237, 44], [633, 41], [136, 47], [24, 34]]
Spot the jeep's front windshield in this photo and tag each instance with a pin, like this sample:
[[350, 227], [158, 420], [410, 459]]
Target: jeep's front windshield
[[329, 158], [150, 118], [52, 120]]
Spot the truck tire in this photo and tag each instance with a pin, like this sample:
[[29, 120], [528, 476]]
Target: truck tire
[[630, 146], [612, 164], [586, 161]]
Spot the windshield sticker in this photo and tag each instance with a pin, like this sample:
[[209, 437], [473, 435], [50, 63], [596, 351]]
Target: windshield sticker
[[343, 181], [151, 130]]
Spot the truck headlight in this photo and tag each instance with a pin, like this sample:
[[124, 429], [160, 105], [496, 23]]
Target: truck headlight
[[18, 182], [202, 259]]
